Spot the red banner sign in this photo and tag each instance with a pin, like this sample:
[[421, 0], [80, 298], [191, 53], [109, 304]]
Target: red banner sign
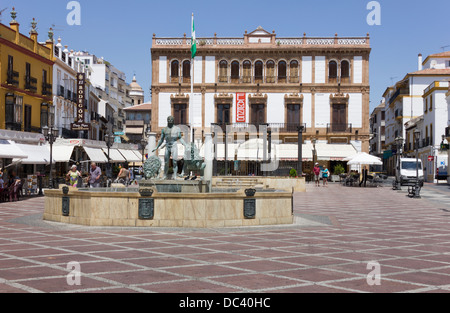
[[240, 108]]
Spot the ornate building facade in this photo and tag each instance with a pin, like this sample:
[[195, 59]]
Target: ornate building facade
[[319, 83]]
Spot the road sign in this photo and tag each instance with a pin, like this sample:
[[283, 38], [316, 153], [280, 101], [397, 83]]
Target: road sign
[[430, 158]]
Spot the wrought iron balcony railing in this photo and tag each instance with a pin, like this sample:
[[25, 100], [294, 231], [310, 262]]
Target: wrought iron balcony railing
[[339, 128]]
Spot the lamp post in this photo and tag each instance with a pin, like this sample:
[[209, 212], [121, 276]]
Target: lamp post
[[50, 135], [143, 144], [397, 182], [109, 140], [313, 141], [417, 186], [300, 130]]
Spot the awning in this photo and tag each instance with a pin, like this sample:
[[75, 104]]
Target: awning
[[114, 155], [61, 153], [334, 152], [36, 154], [253, 150], [289, 152], [138, 155], [96, 155], [129, 155], [9, 150], [231, 150]]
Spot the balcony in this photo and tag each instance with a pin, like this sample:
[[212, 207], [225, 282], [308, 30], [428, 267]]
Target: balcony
[[46, 89], [280, 127], [339, 128], [401, 91], [12, 78], [60, 91], [31, 84], [253, 79]]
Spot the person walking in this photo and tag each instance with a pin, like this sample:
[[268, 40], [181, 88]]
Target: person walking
[[325, 174], [316, 171], [73, 176], [94, 175]]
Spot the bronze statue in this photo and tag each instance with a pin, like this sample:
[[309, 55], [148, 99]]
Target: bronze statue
[[171, 134]]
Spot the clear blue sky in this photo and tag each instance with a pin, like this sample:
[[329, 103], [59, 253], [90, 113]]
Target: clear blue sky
[[121, 31]]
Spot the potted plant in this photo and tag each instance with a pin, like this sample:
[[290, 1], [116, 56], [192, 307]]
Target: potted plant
[[338, 170], [293, 173]]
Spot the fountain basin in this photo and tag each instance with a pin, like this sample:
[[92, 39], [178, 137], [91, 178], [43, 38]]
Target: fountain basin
[[198, 210]]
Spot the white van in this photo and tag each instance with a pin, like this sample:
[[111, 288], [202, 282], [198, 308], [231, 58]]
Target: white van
[[408, 171]]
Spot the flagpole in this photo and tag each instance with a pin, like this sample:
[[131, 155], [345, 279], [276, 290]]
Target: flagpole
[[191, 107]]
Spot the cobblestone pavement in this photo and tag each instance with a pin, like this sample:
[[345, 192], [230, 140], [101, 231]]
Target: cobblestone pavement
[[338, 231]]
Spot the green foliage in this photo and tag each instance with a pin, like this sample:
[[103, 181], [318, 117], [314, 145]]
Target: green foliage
[[339, 169], [293, 172]]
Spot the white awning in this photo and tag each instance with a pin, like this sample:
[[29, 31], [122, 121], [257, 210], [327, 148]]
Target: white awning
[[231, 150], [114, 155], [96, 155], [61, 153], [129, 155], [289, 152], [138, 155], [9, 150], [253, 150], [36, 154], [334, 152]]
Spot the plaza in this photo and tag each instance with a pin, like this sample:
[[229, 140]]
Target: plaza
[[338, 231]]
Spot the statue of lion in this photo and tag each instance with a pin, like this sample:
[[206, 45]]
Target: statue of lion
[[192, 160], [152, 166]]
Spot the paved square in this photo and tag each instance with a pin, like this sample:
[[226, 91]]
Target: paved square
[[338, 231]]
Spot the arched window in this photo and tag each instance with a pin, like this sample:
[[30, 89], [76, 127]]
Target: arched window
[[247, 72], [282, 72], [270, 71], [234, 71], [258, 72], [332, 71], [187, 71], [174, 71], [223, 69], [293, 72], [345, 71]]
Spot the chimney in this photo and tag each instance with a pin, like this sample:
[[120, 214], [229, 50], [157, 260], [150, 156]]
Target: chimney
[[420, 67]]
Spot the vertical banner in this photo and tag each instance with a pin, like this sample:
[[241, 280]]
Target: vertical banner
[[81, 77], [240, 107]]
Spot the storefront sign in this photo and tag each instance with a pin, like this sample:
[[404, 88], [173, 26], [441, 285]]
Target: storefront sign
[[240, 108], [80, 124]]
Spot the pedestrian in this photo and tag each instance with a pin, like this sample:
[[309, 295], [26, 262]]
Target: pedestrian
[[124, 175], [316, 171], [94, 175], [325, 174], [73, 176]]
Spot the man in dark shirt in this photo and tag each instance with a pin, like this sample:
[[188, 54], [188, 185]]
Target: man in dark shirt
[[94, 175]]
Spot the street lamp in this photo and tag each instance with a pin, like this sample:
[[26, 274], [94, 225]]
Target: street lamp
[[416, 190], [143, 144], [109, 140], [50, 135], [300, 130], [397, 183]]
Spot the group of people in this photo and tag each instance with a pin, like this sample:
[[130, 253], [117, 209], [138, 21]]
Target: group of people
[[11, 187], [94, 178], [325, 175], [95, 174]]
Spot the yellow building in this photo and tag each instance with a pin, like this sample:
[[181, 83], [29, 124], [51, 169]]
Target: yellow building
[[26, 68]]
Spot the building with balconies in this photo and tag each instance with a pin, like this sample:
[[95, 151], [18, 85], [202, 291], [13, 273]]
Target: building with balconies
[[260, 78], [404, 100], [377, 130], [26, 79]]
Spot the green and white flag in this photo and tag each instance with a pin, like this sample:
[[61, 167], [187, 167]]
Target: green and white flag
[[193, 40]]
